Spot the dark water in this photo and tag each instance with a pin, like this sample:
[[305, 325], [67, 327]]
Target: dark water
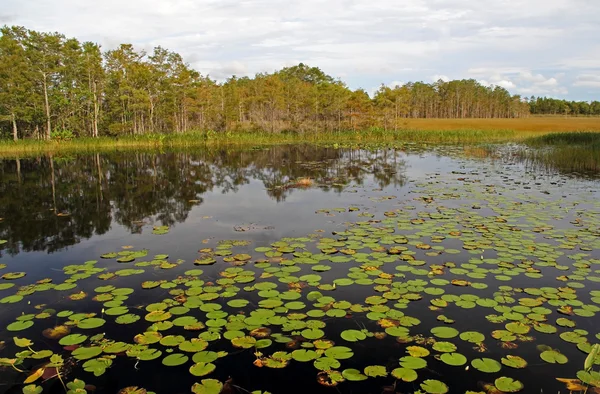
[[61, 211]]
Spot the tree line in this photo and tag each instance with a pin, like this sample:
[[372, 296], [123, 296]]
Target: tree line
[[51, 84], [550, 106]]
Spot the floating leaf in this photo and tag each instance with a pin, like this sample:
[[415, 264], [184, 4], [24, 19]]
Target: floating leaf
[[444, 332], [92, 322], [405, 374], [304, 355], [353, 375], [353, 335], [73, 339], [487, 365], [455, 359], [434, 387], [412, 362], [85, 353], [554, 357], [514, 361], [376, 371], [207, 386], [508, 385], [202, 369], [176, 359]]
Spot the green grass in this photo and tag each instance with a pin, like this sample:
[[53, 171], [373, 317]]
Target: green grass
[[585, 139], [201, 139], [566, 152]]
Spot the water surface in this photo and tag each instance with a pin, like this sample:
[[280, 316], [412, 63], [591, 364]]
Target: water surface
[[395, 224]]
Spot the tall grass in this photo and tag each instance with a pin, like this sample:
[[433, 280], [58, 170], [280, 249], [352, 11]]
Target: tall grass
[[440, 131], [201, 139], [590, 139], [565, 152]]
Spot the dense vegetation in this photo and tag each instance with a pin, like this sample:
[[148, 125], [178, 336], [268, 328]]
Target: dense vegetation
[[57, 87], [550, 106]]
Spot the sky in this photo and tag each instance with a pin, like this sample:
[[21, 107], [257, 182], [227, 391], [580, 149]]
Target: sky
[[530, 47]]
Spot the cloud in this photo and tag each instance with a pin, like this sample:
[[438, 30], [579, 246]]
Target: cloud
[[363, 41], [587, 80]]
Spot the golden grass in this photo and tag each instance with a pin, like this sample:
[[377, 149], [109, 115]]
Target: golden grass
[[534, 124], [449, 131]]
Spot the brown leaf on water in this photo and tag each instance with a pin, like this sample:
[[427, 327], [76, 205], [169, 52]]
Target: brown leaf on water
[[460, 282], [261, 332], [329, 378], [132, 390], [379, 335], [572, 384], [386, 323], [258, 362], [566, 310], [490, 388], [508, 345], [56, 332]]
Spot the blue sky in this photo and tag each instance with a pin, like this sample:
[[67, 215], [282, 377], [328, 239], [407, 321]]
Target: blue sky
[[530, 47]]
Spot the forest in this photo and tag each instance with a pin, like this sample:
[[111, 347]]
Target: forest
[[52, 86]]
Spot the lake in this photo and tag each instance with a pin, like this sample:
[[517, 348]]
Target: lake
[[294, 269]]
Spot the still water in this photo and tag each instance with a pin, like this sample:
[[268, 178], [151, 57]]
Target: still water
[[293, 268]]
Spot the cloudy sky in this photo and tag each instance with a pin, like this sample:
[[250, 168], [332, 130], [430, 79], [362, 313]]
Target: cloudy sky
[[530, 47]]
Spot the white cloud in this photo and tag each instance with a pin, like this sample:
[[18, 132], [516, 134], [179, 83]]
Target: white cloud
[[509, 85], [587, 80], [363, 41]]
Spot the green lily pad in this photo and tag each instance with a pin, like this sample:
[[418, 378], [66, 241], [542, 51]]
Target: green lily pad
[[554, 357], [73, 339], [411, 362], [405, 374], [487, 365], [444, 332], [375, 371], [207, 386], [175, 359], [353, 375], [304, 355], [454, 359], [202, 369], [508, 385], [85, 353], [90, 323], [339, 353], [353, 335], [431, 386]]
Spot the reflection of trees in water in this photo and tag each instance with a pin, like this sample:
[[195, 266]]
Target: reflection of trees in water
[[50, 203]]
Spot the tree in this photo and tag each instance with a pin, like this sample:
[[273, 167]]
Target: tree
[[15, 80], [44, 56]]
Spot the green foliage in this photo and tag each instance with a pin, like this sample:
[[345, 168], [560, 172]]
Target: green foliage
[[47, 79]]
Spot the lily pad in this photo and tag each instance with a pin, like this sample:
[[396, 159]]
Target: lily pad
[[487, 365], [508, 385]]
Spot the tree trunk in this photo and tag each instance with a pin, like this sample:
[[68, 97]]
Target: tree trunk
[[48, 126], [96, 111], [14, 124]]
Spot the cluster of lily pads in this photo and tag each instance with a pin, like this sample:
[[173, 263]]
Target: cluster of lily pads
[[455, 246]]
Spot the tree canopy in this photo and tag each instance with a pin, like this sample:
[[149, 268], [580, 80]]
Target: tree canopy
[[51, 84]]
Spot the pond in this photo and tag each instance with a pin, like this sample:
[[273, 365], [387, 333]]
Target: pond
[[294, 269]]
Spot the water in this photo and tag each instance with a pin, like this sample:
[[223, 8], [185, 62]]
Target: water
[[521, 227]]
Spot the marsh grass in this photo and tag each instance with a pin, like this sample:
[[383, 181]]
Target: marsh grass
[[532, 125], [201, 140], [439, 131], [565, 152]]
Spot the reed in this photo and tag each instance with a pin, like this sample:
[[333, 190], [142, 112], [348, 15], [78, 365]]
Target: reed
[[440, 131]]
